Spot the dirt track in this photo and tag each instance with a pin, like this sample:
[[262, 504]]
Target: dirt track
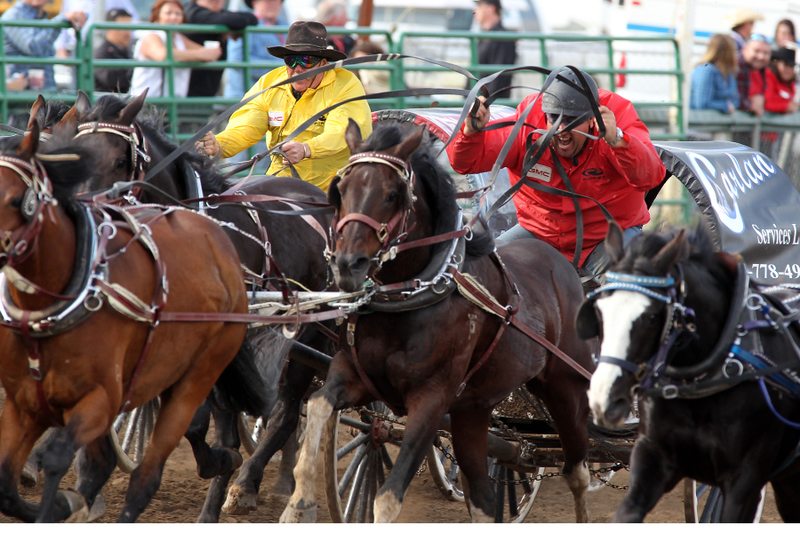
[[181, 495]]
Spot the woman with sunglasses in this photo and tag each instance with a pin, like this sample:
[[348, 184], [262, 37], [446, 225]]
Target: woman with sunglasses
[[319, 151], [615, 167]]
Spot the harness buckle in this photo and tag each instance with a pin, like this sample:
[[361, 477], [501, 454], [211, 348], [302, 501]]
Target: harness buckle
[[439, 285], [669, 392], [382, 233], [351, 334], [732, 368], [93, 302]]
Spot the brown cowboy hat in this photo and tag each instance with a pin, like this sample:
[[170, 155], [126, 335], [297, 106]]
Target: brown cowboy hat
[[307, 37]]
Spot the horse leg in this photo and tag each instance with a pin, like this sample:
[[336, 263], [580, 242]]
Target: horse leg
[[787, 496], [566, 400], [284, 484], [342, 388], [243, 493], [177, 411], [227, 433], [742, 490], [470, 442], [425, 411], [94, 464], [216, 461], [19, 434], [650, 478]]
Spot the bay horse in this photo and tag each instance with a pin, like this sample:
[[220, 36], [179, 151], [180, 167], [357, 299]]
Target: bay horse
[[437, 352], [275, 249], [712, 358], [86, 301]]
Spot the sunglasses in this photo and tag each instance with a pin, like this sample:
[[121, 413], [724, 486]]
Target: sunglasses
[[304, 61], [551, 117]]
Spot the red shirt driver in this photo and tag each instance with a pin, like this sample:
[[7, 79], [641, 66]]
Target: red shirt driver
[[617, 170]]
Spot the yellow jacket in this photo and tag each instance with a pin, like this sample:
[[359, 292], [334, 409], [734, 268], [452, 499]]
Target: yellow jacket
[[276, 113]]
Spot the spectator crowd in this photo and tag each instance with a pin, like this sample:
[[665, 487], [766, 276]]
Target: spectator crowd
[[748, 71]]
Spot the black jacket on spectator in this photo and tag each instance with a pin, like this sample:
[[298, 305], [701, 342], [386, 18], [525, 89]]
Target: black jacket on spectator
[[203, 81], [112, 80], [498, 53]]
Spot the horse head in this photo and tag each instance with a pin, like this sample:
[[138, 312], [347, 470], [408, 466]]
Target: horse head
[[645, 312], [110, 128], [377, 202]]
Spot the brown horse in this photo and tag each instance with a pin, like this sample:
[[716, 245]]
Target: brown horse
[[276, 249], [87, 307], [436, 352]]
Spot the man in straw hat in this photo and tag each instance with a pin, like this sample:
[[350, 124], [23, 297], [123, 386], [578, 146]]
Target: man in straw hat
[[742, 22], [319, 151]]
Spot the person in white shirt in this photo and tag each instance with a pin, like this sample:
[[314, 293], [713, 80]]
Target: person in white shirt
[[152, 46]]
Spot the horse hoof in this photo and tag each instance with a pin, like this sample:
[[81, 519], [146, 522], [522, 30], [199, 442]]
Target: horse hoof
[[299, 513], [79, 511], [98, 509], [30, 475], [239, 502]]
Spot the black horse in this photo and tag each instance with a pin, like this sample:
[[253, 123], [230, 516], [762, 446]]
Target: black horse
[[277, 251], [712, 359]]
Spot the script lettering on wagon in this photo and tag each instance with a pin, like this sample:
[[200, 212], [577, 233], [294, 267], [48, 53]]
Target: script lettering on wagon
[[725, 178]]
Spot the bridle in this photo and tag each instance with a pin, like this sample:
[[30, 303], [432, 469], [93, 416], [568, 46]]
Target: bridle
[[679, 319], [133, 136], [394, 231], [16, 245]]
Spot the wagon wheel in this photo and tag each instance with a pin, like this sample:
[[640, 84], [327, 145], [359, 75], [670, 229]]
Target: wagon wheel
[[357, 459], [515, 491], [251, 429], [131, 432], [703, 503]]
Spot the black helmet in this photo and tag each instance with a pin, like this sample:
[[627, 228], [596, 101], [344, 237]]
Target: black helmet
[[559, 97]]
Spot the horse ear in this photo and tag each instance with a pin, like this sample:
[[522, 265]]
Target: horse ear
[[37, 106], [614, 242], [129, 112], [334, 196], [82, 104], [69, 121], [409, 144], [352, 135], [30, 141], [673, 252]]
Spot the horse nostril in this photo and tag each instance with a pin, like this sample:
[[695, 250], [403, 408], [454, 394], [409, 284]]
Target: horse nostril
[[359, 263]]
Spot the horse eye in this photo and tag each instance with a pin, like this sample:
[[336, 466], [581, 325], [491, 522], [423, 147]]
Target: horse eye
[[120, 164], [392, 197]]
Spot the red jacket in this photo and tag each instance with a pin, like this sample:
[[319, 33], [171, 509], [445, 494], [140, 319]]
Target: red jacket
[[617, 177], [778, 94]]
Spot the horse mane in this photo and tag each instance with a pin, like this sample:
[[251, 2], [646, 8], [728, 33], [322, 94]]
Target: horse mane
[[152, 119], [641, 250], [437, 184], [52, 112]]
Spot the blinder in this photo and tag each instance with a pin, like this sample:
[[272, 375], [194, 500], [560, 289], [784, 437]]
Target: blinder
[[29, 205]]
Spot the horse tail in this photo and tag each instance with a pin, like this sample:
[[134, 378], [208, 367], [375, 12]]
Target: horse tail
[[250, 382]]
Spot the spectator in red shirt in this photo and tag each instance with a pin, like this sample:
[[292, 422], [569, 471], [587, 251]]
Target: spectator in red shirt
[[753, 60], [779, 87], [617, 169]]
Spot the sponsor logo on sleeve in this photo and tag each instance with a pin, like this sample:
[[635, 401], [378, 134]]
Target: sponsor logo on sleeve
[[540, 172]]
